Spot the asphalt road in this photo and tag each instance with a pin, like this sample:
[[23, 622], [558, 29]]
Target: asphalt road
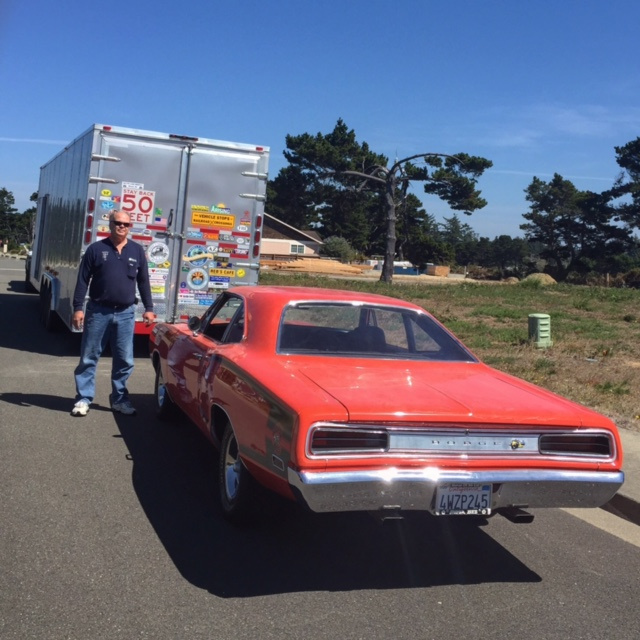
[[109, 528]]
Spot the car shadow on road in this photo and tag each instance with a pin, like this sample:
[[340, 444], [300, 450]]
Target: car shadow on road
[[291, 550]]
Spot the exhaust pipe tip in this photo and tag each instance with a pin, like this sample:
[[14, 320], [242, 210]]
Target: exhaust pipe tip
[[517, 515]]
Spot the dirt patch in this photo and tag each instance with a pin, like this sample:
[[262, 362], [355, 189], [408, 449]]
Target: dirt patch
[[333, 268], [314, 265]]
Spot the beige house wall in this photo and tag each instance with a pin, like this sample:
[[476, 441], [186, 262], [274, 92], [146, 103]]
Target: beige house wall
[[283, 247]]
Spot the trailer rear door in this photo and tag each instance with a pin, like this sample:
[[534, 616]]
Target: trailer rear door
[[196, 207]]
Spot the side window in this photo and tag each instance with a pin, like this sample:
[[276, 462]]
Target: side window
[[226, 314], [424, 341], [235, 331], [403, 334], [392, 323]]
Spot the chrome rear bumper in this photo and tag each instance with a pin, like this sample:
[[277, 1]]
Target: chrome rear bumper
[[404, 489]]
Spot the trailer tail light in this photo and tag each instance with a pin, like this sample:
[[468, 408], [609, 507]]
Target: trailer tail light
[[88, 228], [91, 205], [257, 236]]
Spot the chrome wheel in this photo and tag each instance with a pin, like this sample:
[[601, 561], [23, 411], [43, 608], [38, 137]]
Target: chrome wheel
[[237, 487], [232, 469], [165, 407]]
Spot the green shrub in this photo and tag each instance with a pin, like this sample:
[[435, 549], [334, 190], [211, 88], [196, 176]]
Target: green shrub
[[337, 247]]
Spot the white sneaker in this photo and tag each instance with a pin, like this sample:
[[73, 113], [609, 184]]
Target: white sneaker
[[80, 408], [124, 407]]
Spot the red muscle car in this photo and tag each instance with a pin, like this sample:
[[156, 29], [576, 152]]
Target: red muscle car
[[346, 401]]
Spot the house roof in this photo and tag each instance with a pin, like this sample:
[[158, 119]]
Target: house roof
[[275, 228]]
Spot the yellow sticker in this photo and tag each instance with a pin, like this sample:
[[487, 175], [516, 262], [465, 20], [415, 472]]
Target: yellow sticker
[[212, 219], [229, 273], [241, 273]]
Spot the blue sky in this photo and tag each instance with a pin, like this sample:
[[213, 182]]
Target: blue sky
[[537, 87]]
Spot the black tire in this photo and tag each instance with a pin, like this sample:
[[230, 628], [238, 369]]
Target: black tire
[[41, 301], [50, 318], [166, 409], [238, 488], [28, 287]]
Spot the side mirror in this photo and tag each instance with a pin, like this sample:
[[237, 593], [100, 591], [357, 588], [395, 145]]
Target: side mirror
[[194, 324]]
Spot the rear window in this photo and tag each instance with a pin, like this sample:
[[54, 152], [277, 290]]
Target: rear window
[[366, 330]]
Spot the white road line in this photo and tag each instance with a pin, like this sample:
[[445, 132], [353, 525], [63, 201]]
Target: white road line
[[619, 527]]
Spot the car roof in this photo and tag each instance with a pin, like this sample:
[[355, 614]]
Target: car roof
[[285, 294]]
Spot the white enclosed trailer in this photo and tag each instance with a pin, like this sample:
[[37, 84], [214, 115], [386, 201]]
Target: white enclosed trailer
[[196, 206]]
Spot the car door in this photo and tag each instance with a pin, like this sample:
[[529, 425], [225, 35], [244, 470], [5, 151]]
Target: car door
[[220, 329]]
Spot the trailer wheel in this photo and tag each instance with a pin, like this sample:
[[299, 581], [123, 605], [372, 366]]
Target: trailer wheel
[[43, 301], [50, 318], [28, 287]]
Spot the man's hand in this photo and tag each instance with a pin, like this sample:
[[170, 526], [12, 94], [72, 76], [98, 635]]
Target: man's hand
[[148, 317], [78, 320]]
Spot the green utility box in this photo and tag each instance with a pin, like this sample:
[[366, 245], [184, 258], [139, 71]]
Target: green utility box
[[540, 330]]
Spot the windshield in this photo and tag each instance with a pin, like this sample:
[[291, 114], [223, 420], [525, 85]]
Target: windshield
[[366, 330]]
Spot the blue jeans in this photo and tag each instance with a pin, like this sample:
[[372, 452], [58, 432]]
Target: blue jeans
[[103, 326]]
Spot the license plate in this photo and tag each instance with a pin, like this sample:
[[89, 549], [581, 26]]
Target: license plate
[[456, 499]]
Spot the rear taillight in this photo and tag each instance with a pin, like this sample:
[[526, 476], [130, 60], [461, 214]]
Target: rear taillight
[[348, 440], [576, 444]]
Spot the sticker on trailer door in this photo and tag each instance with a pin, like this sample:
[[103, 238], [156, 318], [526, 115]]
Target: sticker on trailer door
[[139, 204], [197, 279], [158, 281], [158, 253], [230, 273], [197, 256], [216, 216], [219, 283]]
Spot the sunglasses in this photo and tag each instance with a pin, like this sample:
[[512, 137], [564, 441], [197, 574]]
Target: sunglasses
[[117, 223]]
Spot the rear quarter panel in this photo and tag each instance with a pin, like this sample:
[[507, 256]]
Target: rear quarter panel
[[265, 405]]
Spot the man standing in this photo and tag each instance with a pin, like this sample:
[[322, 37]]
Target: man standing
[[110, 269]]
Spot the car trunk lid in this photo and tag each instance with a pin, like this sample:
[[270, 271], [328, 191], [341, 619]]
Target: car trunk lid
[[398, 391]]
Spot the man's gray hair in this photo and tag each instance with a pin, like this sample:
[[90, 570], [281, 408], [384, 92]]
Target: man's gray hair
[[112, 215]]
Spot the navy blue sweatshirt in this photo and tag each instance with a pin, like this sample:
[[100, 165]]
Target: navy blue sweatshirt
[[111, 277]]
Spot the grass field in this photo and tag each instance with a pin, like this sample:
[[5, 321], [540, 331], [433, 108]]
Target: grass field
[[595, 356]]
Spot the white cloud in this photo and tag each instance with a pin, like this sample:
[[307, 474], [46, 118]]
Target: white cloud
[[543, 174], [535, 125]]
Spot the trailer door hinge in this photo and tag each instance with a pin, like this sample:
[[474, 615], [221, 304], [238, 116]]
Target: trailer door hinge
[[254, 174], [254, 196], [97, 156], [99, 179]]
